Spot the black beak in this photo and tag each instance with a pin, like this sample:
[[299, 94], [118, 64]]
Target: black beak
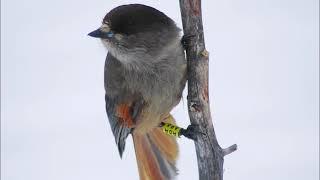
[[97, 34], [100, 34]]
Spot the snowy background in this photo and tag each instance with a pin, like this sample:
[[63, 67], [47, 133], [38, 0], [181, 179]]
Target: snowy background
[[264, 84]]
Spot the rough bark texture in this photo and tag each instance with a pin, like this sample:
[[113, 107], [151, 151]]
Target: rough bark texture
[[209, 154]]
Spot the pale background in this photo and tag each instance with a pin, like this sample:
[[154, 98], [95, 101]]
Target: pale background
[[264, 84]]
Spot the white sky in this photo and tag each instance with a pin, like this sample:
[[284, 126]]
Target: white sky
[[264, 84]]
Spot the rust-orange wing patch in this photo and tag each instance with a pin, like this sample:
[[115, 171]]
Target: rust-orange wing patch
[[123, 111]]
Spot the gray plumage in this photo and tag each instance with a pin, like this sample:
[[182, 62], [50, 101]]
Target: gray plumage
[[148, 64], [145, 69]]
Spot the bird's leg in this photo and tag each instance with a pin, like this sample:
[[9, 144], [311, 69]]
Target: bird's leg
[[186, 40], [191, 132]]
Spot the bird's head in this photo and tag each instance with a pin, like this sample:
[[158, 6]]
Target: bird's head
[[135, 31]]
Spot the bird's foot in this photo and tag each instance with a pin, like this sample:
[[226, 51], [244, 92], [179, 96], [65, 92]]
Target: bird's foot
[[191, 132], [186, 40]]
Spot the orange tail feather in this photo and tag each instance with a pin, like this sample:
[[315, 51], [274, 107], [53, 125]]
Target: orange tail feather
[[156, 154]]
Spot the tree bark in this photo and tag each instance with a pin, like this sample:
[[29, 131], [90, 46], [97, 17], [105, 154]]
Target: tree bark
[[210, 155]]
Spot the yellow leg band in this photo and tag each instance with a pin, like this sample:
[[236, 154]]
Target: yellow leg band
[[171, 129]]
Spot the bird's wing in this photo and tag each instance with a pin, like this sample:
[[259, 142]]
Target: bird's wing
[[122, 105], [122, 118], [119, 126]]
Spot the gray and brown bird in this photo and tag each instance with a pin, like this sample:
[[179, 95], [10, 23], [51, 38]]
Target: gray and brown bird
[[145, 74]]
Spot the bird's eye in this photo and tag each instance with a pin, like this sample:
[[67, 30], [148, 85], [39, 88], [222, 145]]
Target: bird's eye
[[110, 34]]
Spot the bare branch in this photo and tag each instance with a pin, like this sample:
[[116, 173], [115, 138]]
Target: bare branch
[[209, 153]]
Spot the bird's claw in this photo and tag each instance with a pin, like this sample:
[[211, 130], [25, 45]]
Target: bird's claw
[[191, 132], [186, 40]]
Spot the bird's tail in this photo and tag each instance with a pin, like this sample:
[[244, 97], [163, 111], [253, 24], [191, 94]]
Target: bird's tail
[[156, 154]]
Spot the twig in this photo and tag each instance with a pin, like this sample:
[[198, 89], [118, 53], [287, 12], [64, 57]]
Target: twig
[[230, 150], [209, 153]]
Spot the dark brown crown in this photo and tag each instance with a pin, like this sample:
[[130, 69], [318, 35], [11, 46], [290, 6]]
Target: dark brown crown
[[137, 18]]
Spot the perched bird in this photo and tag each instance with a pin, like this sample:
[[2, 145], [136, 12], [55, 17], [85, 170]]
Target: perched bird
[[145, 74]]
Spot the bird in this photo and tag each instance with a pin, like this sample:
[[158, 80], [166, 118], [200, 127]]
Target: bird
[[144, 77]]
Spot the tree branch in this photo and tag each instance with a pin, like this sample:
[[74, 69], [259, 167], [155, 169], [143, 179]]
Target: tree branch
[[209, 153]]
